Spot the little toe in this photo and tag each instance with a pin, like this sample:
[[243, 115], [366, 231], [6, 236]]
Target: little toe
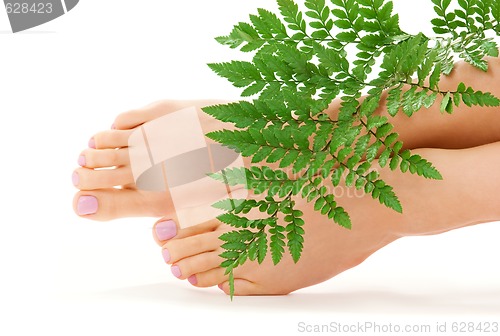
[[110, 139], [90, 179], [102, 158], [242, 287]]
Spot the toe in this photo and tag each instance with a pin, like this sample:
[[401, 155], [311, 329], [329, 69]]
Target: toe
[[134, 118], [242, 287], [166, 229], [110, 139], [90, 179], [208, 278], [101, 158], [181, 248], [108, 204], [185, 268]]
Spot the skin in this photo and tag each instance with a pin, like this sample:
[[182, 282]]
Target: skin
[[453, 143], [430, 207]]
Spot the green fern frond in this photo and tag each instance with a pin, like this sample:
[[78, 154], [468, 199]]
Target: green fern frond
[[304, 59]]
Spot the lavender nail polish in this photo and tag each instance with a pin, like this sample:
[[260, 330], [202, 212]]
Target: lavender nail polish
[[75, 178], [82, 161], [192, 280], [166, 230], [176, 271], [166, 255], [87, 205]]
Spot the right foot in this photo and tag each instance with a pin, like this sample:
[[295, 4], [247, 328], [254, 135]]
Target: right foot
[[468, 195], [107, 189]]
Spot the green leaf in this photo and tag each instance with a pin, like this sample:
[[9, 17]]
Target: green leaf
[[394, 163], [320, 202], [424, 168], [268, 24], [277, 243], [376, 122], [435, 77], [241, 114], [382, 160], [295, 233], [390, 139], [240, 73], [257, 250], [362, 145], [302, 61], [383, 130], [346, 36], [342, 218], [394, 101], [369, 105], [386, 196], [291, 14], [254, 89], [372, 151], [343, 24], [445, 102]]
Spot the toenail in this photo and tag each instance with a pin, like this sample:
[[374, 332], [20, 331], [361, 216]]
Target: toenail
[[113, 127], [176, 271], [166, 230], [166, 255], [81, 161], [220, 286], [75, 178], [92, 143], [87, 205], [192, 280]]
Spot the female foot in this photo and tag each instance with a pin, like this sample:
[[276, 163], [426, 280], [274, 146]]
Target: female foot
[[107, 189], [430, 207]]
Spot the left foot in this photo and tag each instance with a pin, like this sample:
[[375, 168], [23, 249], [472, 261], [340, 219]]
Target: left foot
[[107, 188]]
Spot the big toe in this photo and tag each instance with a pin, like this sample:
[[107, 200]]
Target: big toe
[[108, 204], [133, 118]]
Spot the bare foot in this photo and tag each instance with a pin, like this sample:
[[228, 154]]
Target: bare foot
[[430, 207], [107, 189]]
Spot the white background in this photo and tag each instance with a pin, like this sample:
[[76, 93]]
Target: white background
[[62, 275]]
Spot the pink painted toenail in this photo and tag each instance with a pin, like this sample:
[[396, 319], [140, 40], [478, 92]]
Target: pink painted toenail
[[166, 255], [113, 127], [166, 230], [176, 271], [75, 178], [87, 205], [220, 286], [192, 280], [92, 143], [81, 161]]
